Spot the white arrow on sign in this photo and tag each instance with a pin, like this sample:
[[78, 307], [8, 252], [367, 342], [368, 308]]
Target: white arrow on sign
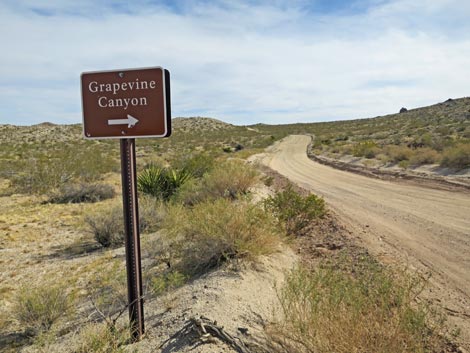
[[130, 121]]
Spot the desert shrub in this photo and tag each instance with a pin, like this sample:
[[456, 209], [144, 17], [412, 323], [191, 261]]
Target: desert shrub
[[293, 210], [161, 182], [229, 179], [329, 310], [424, 156], [341, 137], [101, 338], [457, 157], [40, 307], [426, 139], [47, 172], [107, 226], [77, 193], [213, 232], [192, 192], [367, 149], [197, 165], [399, 153], [466, 132]]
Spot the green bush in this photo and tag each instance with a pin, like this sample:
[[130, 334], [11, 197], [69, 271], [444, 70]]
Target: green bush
[[77, 193], [161, 182], [294, 211], [213, 232], [457, 157], [329, 310], [39, 308], [197, 165]]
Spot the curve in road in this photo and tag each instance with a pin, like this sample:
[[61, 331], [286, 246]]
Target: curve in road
[[427, 228]]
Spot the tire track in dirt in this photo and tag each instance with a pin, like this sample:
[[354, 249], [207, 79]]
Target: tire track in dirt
[[425, 228]]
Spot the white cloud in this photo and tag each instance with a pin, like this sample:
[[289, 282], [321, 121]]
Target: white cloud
[[239, 61]]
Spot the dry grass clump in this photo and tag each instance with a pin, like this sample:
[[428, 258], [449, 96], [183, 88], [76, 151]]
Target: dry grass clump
[[213, 232], [229, 179], [101, 338], [107, 226], [457, 157], [398, 153], [40, 307], [424, 155], [330, 310]]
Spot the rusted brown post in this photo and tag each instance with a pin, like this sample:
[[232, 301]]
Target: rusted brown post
[[132, 238]]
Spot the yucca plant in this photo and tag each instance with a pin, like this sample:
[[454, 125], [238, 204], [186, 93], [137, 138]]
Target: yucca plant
[[161, 182]]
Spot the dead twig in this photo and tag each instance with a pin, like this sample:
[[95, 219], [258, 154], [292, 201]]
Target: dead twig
[[207, 331]]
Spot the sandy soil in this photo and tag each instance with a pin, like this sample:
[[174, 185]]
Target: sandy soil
[[425, 228], [239, 299], [46, 241]]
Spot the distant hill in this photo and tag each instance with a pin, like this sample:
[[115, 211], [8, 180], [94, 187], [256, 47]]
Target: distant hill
[[437, 127], [199, 124]]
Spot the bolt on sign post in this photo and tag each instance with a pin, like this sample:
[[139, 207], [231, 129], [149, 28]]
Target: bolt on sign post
[[128, 104]]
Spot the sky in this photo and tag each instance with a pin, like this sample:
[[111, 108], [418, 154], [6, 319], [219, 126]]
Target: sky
[[240, 61]]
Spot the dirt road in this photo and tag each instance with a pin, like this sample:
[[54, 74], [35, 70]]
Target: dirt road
[[425, 228]]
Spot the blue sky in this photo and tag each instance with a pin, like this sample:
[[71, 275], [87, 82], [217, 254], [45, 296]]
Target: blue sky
[[241, 61]]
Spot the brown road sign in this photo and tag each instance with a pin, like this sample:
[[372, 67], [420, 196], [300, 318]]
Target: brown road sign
[[127, 103]]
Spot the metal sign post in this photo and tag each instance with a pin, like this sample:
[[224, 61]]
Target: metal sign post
[[128, 104], [132, 238]]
